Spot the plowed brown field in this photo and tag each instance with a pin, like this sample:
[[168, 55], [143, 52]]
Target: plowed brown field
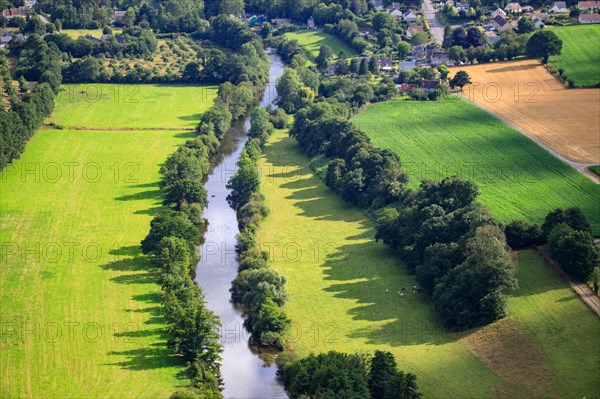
[[525, 94]]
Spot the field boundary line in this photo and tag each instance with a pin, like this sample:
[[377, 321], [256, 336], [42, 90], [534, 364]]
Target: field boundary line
[[581, 289], [120, 129], [578, 166]]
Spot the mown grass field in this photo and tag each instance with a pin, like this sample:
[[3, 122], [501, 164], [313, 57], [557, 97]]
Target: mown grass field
[[312, 40], [580, 56], [338, 276], [516, 177], [97, 33], [132, 106], [80, 306]]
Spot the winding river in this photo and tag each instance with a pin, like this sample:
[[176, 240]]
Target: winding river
[[246, 372]]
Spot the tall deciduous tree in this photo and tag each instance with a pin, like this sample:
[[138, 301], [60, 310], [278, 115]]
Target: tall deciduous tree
[[542, 44]]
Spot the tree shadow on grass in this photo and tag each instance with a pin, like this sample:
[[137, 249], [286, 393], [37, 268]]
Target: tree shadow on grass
[[143, 195]]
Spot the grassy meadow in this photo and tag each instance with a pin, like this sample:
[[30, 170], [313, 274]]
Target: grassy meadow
[[580, 56], [517, 178], [97, 33], [124, 106], [343, 296], [312, 40], [81, 311]]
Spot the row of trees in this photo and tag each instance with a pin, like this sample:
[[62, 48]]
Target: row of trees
[[37, 62], [260, 289], [363, 174], [175, 234], [173, 240], [335, 375], [568, 235]]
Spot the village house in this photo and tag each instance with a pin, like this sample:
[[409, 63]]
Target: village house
[[385, 64], [378, 4], [407, 87], [558, 6], [119, 16], [501, 24], [589, 18], [493, 38], [439, 58], [396, 13], [429, 85], [281, 21], [407, 65], [513, 8], [589, 5], [19, 12], [500, 12], [410, 17], [527, 9]]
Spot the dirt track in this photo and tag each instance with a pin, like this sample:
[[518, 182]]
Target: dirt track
[[526, 95]]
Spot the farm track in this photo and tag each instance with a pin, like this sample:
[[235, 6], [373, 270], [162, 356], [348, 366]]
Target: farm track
[[581, 289]]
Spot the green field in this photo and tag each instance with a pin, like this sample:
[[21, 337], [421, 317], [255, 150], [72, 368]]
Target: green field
[[81, 314], [580, 57], [312, 40], [337, 281], [517, 178], [132, 106], [97, 33]]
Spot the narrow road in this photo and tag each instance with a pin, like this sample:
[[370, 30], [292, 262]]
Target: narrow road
[[583, 290], [436, 27]]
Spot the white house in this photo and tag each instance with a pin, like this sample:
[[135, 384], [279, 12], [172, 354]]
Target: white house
[[558, 6], [410, 17], [378, 4], [311, 23], [500, 12], [589, 18], [396, 13], [513, 8]]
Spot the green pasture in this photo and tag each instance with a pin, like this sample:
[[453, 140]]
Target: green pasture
[[122, 106], [516, 177], [580, 56], [344, 287], [312, 40]]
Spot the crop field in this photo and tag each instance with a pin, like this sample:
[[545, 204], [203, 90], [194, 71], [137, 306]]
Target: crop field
[[343, 296], [516, 177], [132, 106], [526, 95], [580, 56], [80, 306], [312, 40]]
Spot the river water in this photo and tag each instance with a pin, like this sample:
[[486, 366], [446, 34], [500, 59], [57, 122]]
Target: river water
[[246, 373]]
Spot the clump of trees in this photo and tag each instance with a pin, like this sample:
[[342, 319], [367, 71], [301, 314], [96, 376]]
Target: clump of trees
[[455, 247], [567, 233], [542, 44], [261, 290], [338, 375]]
